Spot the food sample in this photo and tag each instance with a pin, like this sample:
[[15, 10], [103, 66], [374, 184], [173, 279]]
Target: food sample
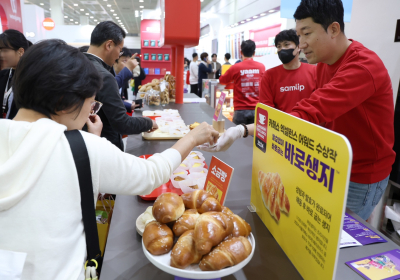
[[184, 252], [210, 229], [195, 187], [273, 194], [186, 222], [194, 125], [158, 238], [154, 99], [164, 95], [180, 173], [183, 165], [227, 253], [148, 215], [196, 157], [178, 178], [168, 207], [197, 164], [202, 201]]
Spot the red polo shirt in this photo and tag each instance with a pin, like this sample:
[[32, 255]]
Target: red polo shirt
[[247, 76], [354, 97]]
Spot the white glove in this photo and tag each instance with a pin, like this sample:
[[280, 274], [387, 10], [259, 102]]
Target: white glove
[[225, 141]]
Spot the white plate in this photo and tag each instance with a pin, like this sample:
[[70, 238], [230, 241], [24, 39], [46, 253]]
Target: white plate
[[140, 225], [193, 271]]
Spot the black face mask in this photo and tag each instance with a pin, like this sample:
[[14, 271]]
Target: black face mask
[[286, 55]]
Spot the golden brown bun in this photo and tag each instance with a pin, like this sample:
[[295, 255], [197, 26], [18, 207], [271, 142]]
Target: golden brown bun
[[184, 252], [240, 227], [228, 253], [158, 238], [168, 207], [202, 201], [210, 229], [186, 222], [194, 125], [226, 210]]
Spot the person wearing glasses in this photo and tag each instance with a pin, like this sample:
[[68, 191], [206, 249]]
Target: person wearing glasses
[[13, 45], [106, 43], [40, 200]]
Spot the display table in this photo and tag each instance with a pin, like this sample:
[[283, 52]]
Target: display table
[[124, 257]]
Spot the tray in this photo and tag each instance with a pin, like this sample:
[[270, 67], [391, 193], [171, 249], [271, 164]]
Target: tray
[[193, 271], [158, 135], [167, 187]]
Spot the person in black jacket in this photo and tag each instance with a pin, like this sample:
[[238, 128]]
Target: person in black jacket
[[138, 80], [106, 43], [204, 69], [13, 45]]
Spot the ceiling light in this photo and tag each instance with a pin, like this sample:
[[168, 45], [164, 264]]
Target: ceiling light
[[75, 5], [271, 11], [201, 0], [49, 9], [255, 17], [136, 13], [82, 10], [111, 11], [117, 17], [95, 20], [65, 16], [141, 1], [248, 19], [76, 22], [87, 14], [71, 19], [141, 7], [92, 17], [242, 22], [263, 14], [108, 5], [41, 4], [119, 20]]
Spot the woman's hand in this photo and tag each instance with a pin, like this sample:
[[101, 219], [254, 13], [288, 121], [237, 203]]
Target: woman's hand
[[204, 133], [94, 125]]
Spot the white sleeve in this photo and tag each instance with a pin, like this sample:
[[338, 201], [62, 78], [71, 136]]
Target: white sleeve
[[136, 71], [116, 172]]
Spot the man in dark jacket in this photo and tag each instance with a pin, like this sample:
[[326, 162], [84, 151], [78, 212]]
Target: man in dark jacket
[[204, 69], [106, 44]]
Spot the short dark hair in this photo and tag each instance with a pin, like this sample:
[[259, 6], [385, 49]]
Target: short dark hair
[[227, 56], [127, 53], [214, 54], [13, 39], [287, 35], [248, 48], [83, 48], [203, 55], [107, 30], [324, 12], [194, 55], [72, 80]]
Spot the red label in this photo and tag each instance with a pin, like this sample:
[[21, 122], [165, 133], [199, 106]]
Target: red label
[[261, 129]]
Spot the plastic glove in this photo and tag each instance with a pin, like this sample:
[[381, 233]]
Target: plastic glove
[[225, 141]]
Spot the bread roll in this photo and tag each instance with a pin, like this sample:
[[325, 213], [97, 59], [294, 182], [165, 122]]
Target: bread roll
[[226, 210], [168, 207], [210, 229], [240, 227], [184, 252], [158, 238], [186, 222], [228, 253], [202, 201]]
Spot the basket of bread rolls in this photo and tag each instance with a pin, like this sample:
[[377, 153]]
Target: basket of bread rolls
[[193, 236]]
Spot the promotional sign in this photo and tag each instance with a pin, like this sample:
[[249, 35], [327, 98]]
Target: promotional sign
[[380, 266], [11, 15], [299, 188], [218, 179], [265, 39], [48, 24], [218, 108], [356, 234]]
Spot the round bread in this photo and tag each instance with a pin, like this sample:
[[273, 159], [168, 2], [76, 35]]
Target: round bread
[[158, 238], [168, 207]]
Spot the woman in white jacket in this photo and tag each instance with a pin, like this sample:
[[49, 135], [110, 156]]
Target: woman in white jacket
[[40, 211]]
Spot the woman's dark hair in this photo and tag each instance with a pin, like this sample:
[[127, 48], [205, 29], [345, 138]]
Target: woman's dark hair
[[13, 39], [227, 56], [203, 55], [324, 12], [287, 35], [248, 48], [107, 30], [194, 55], [83, 49], [52, 76]]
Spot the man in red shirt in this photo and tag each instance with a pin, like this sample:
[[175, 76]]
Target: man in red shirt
[[283, 86], [353, 96], [246, 76]]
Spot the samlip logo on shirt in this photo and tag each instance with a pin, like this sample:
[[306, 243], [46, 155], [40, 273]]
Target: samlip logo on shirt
[[250, 71], [293, 88]]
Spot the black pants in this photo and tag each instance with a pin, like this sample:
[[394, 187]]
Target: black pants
[[243, 116], [194, 89]]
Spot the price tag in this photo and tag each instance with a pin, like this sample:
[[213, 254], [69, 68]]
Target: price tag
[[218, 108], [218, 179]]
